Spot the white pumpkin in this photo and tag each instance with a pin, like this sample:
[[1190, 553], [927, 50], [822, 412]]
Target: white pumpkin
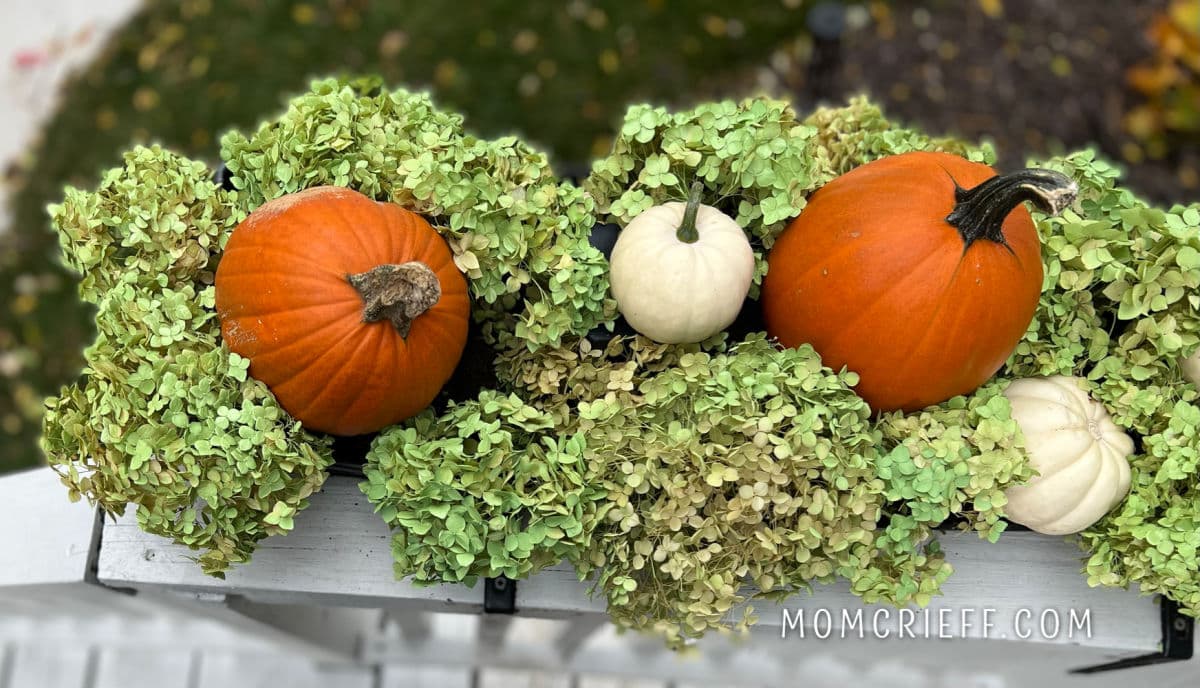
[[1081, 454], [680, 271]]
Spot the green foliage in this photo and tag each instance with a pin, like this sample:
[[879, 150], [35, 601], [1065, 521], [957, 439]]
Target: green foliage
[[165, 417], [678, 434], [849, 136], [955, 459], [749, 467], [1153, 537], [181, 72], [517, 234], [684, 478], [158, 216], [758, 466], [1121, 307], [758, 162], [1120, 299], [488, 488]]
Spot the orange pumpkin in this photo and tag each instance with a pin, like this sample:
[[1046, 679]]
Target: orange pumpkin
[[351, 311], [920, 272]]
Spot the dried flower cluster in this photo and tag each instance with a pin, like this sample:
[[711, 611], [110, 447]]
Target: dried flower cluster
[[683, 479]]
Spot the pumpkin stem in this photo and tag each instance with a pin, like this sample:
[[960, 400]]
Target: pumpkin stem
[[399, 293], [687, 229], [979, 212]]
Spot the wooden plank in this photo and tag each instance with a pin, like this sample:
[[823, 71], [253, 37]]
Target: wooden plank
[[415, 626], [339, 554], [257, 670], [145, 667], [272, 632], [7, 661], [1024, 580], [15, 604], [47, 665], [339, 630], [46, 538], [493, 632], [578, 631], [1018, 579], [79, 600], [347, 676], [515, 678], [592, 681], [410, 676], [761, 659]]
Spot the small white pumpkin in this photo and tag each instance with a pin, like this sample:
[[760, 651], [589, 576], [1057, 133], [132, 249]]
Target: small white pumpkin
[[680, 272], [1081, 454]]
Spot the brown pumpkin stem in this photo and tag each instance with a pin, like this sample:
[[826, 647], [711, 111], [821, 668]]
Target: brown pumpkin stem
[[979, 212], [687, 229], [399, 293]]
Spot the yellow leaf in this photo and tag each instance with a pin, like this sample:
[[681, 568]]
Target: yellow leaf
[[992, 8]]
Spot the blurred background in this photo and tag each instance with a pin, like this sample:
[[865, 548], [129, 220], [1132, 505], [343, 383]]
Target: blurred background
[[83, 81]]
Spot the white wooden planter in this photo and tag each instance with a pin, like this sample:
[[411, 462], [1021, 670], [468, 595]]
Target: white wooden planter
[[1024, 601]]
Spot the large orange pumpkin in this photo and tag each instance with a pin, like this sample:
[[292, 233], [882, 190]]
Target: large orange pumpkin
[[920, 272], [351, 311]]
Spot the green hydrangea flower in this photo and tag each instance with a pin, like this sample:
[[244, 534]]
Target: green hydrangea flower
[[683, 479], [488, 488], [165, 418], [519, 235]]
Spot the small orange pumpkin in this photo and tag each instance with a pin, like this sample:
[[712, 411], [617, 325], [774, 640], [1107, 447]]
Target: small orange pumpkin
[[351, 311], [920, 272]]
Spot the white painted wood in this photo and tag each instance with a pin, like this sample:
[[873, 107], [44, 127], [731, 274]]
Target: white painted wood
[[493, 630], [408, 676], [1024, 571], [577, 631], [592, 681], [766, 659], [339, 630], [1021, 578], [75, 599], [415, 626], [146, 667], [273, 631], [261, 670], [44, 665], [440, 630], [348, 676], [514, 678], [7, 654], [339, 554], [45, 538]]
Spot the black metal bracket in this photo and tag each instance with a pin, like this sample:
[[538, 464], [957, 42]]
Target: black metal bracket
[[1177, 642], [499, 595]]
